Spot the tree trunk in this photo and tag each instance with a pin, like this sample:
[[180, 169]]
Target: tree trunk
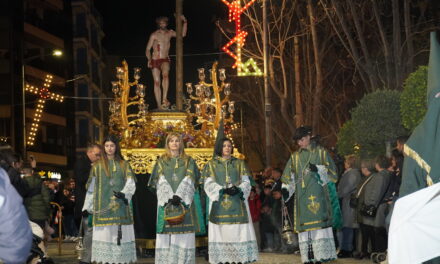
[[386, 49], [351, 43], [299, 119], [397, 44], [409, 38], [364, 48], [318, 90], [309, 72]]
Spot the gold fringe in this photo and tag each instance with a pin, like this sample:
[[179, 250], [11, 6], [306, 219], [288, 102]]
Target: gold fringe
[[421, 162]]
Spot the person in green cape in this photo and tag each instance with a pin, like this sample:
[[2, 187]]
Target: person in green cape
[[175, 180], [310, 174], [110, 188], [411, 230], [231, 235]]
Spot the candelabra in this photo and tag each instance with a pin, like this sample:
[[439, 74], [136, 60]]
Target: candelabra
[[211, 100], [121, 120]]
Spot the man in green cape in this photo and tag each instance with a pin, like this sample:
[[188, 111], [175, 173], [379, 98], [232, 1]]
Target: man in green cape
[[310, 174]]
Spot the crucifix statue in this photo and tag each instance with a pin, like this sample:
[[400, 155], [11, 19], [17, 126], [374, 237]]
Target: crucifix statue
[[159, 61]]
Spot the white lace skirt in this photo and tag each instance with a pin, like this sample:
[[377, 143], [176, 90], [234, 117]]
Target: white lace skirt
[[322, 243], [175, 249], [232, 243], [105, 248]]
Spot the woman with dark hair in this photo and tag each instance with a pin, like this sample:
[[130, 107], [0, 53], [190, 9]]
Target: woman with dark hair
[[396, 175], [175, 180], [111, 187], [227, 185]]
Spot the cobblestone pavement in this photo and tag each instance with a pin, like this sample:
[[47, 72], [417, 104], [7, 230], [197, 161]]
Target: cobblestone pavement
[[68, 256]]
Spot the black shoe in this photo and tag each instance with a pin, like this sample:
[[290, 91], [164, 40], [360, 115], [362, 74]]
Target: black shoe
[[362, 256], [345, 254]]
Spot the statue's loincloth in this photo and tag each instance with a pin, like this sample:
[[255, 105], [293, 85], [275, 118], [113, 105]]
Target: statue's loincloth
[[157, 63]]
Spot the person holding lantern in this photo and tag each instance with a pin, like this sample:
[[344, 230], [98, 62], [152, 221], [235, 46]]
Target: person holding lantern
[[310, 173], [175, 179]]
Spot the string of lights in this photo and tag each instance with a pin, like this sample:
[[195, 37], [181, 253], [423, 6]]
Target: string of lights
[[250, 67]]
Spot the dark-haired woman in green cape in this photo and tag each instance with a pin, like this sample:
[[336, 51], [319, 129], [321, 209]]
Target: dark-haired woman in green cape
[[227, 184]]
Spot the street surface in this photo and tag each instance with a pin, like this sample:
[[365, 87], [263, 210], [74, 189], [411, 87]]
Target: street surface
[[68, 256]]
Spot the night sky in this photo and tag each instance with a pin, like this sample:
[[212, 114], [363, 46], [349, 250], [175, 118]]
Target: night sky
[[128, 24]]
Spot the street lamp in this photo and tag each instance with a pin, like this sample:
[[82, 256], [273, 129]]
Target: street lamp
[[56, 53]]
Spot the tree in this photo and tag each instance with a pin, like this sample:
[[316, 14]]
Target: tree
[[346, 141], [376, 121], [380, 37], [413, 98], [324, 55]]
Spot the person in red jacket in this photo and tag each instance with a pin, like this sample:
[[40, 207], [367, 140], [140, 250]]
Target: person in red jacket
[[255, 209]]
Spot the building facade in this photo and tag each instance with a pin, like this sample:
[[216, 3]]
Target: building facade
[[89, 71], [30, 31]]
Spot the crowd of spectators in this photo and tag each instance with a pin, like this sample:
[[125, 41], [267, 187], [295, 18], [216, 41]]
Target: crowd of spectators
[[47, 202]]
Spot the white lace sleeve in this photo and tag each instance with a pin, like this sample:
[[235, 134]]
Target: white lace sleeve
[[88, 202], [245, 186], [323, 174], [290, 187], [129, 188], [164, 191], [186, 190], [212, 189]]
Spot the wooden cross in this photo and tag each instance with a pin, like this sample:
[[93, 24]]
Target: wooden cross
[[43, 95]]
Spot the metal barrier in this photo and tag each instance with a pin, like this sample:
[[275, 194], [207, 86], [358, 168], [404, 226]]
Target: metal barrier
[[60, 226]]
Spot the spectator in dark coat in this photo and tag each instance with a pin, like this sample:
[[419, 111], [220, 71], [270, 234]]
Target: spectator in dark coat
[[11, 163], [266, 225], [81, 175], [37, 203], [368, 170], [82, 172], [373, 195], [347, 186], [396, 179], [67, 203]]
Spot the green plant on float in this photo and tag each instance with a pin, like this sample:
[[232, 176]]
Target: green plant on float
[[376, 121], [413, 98]]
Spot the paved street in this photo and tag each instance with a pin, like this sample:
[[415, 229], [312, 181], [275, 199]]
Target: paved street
[[68, 256]]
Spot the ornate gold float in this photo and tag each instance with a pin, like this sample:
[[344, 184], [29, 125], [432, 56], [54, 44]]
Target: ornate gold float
[[143, 133]]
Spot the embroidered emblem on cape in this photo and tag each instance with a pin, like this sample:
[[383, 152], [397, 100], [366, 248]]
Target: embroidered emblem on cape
[[113, 204], [226, 203], [175, 178], [313, 206]]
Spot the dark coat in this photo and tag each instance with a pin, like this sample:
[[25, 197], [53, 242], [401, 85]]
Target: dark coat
[[373, 194], [347, 186], [38, 204], [20, 185], [81, 174]]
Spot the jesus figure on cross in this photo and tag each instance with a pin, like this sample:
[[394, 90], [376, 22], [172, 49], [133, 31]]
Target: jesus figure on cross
[[159, 62]]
